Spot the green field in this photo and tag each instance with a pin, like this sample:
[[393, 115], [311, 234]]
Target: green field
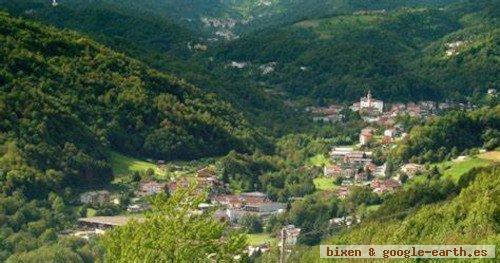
[[455, 169], [258, 239], [372, 208], [324, 184], [124, 165]]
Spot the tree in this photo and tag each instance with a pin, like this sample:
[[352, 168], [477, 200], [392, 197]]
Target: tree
[[251, 223], [55, 254], [174, 232], [403, 178]]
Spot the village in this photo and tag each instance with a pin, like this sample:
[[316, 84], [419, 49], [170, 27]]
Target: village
[[347, 166]]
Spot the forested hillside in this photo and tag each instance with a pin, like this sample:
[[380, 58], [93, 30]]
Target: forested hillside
[[65, 99], [450, 135], [400, 55], [148, 31]]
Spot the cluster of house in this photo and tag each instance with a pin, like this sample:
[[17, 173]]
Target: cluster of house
[[205, 180], [331, 113], [390, 134], [372, 110], [229, 208], [357, 167], [453, 48]]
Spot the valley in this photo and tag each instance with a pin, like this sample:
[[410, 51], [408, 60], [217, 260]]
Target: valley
[[245, 130]]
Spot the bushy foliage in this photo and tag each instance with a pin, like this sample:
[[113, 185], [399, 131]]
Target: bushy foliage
[[172, 232], [26, 225], [454, 132]]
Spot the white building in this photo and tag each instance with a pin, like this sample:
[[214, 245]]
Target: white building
[[95, 197], [390, 133], [370, 103]]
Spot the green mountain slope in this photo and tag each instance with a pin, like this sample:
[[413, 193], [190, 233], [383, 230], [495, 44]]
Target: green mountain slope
[[469, 218], [125, 27], [394, 53], [64, 100], [150, 32]]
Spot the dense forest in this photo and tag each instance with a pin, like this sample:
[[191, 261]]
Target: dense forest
[[449, 135], [145, 33], [63, 94]]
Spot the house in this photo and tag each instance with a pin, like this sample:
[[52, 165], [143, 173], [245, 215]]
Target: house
[[205, 172], [398, 107], [179, 183], [391, 132], [427, 105], [207, 179], [321, 119], [360, 177], [380, 171], [265, 208], [413, 109], [95, 197], [332, 171], [343, 221], [200, 47], [107, 222], [342, 192], [382, 186], [151, 188], [370, 168], [254, 197], [238, 65], [453, 48], [411, 169], [365, 136], [443, 106], [135, 208], [262, 210], [291, 234], [340, 152], [387, 140]]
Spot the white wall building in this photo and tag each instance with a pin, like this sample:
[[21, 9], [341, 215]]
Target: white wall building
[[370, 103]]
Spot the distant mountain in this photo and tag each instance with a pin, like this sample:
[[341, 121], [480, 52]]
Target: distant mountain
[[400, 55]]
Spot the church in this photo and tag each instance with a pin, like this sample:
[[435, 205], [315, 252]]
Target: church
[[368, 103]]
